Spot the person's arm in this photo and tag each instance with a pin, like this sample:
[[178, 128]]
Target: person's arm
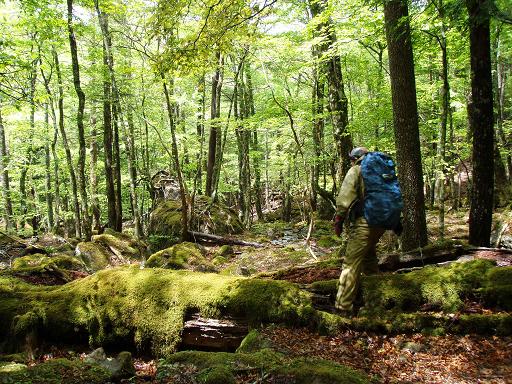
[[348, 193]]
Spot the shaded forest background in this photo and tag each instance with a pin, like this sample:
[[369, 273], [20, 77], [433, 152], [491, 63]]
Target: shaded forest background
[[105, 107]]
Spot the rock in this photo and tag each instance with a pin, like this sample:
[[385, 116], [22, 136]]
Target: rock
[[120, 368], [181, 256], [213, 218], [95, 256]]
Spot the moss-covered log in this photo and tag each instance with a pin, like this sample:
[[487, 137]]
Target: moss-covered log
[[145, 308]]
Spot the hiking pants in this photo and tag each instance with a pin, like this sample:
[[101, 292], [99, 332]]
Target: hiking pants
[[360, 257]]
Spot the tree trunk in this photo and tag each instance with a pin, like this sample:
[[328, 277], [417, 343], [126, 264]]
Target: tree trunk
[[48, 171], [215, 136], [198, 180], [53, 146], [177, 166], [116, 154], [243, 139], [254, 144], [338, 102], [80, 123], [95, 204], [481, 120], [405, 113], [4, 173], [132, 169], [65, 143], [108, 145]]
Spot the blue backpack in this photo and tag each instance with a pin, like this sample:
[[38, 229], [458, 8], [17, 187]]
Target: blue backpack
[[383, 202]]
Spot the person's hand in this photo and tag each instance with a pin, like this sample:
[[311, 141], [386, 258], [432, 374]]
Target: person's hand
[[338, 225], [399, 228]]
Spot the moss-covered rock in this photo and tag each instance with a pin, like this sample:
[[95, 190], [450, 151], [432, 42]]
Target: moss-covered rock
[[53, 372], [181, 256], [94, 255], [165, 221], [270, 366], [40, 262]]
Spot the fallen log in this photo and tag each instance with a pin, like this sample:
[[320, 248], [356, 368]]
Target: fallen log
[[210, 238], [205, 334]]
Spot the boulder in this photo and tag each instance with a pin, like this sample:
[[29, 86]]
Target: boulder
[[181, 256], [165, 221], [94, 255]]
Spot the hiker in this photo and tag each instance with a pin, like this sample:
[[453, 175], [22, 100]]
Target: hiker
[[366, 185]]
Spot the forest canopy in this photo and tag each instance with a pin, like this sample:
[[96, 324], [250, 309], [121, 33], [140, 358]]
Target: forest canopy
[[252, 103]]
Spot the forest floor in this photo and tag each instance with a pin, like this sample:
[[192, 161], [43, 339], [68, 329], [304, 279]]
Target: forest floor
[[398, 358]]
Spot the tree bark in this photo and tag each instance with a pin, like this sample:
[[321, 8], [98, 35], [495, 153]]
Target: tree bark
[[481, 120], [48, 171], [406, 130], [338, 102], [65, 143], [215, 136], [93, 177], [4, 173], [80, 123], [177, 166]]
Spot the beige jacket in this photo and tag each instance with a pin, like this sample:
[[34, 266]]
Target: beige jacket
[[351, 190]]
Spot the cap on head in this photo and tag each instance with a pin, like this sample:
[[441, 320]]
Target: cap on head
[[356, 153]]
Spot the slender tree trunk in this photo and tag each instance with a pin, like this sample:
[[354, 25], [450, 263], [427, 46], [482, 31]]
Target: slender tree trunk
[[132, 169], [69, 159], [4, 173], [108, 145], [53, 147], [93, 177], [48, 173], [481, 120], [445, 111], [116, 155], [214, 128], [176, 159], [255, 147], [198, 180], [405, 113], [243, 139], [80, 123]]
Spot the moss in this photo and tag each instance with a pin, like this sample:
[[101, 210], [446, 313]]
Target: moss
[[181, 256], [329, 241], [94, 255], [119, 243], [219, 260], [225, 250], [54, 372], [165, 221], [20, 358], [223, 367], [253, 342], [444, 287], [38, 262], [146, 308]]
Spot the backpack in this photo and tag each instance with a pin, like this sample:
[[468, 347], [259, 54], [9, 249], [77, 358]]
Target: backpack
[[383, 202]]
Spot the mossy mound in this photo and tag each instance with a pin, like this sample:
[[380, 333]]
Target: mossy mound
[[444, 288], [146, 308], [54, 372], [48, 270], [165, 221], [181, 256], [266, 365], [94, 255], [110, 248]]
